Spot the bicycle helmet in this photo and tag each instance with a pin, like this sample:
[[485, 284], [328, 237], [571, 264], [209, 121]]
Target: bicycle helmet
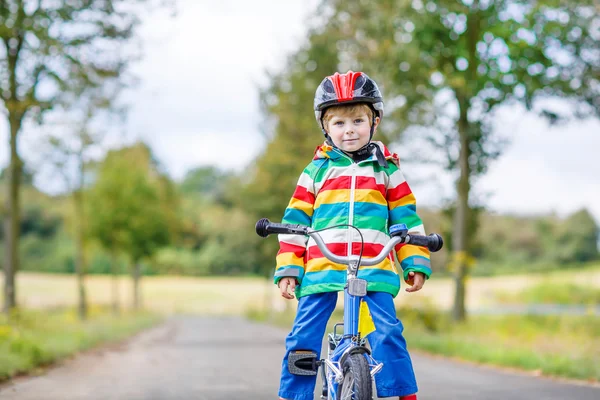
[[351, 87]]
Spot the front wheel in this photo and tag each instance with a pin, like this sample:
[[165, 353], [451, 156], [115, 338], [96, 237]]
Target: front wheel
[[357, 383]]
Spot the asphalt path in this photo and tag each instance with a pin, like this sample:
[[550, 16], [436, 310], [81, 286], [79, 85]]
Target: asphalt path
[[208, 358]]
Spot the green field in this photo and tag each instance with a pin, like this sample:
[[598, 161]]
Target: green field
[[235, 295]]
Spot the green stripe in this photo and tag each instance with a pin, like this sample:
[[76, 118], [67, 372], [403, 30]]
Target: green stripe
[[312, 168], [302, 291], [361, 222], [389, 170], [366, 222], [424, 270], [320, 223], [410, 221]]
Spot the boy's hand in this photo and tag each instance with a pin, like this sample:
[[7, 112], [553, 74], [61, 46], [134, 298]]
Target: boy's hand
[[287, 287], [416, 280]]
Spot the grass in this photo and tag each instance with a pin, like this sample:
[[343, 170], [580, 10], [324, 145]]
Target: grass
[[560, 345], [553, 293], [32, 339]]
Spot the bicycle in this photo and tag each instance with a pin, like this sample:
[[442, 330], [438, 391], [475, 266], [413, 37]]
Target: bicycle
[[348, 371]]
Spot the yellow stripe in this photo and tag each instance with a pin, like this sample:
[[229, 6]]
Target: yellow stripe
[[369, 196], [408, 251], [406, 200], [302, 206], [385, 265], [333, 196], [289, 259], [343, 196], [323, 264]]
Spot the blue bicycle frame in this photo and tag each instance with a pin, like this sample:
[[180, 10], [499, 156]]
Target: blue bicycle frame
[[347, 343]]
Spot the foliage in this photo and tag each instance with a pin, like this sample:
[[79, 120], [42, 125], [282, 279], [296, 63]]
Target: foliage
[[208, 182], [219, 239], [132, 207], [52, 52]]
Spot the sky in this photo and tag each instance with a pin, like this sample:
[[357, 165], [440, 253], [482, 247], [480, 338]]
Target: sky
[[197, 104]]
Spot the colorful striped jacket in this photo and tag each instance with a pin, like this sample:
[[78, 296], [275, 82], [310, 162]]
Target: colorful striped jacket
[[332, 190]]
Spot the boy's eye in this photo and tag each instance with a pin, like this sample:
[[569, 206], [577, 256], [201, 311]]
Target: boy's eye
[[339, 123]]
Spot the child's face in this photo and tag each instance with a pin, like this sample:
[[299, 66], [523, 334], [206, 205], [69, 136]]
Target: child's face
[[350, 132]]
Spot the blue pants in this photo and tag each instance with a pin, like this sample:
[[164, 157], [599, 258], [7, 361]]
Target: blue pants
[[388, 346]]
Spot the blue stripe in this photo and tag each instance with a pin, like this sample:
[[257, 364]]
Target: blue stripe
[[379, 276], [313, 278], [399, 213], [370, 210], [295, 216], [331, 210]]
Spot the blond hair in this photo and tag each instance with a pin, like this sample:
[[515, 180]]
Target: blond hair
[[345, 110]]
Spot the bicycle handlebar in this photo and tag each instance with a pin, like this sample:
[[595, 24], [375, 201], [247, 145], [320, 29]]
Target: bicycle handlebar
[[433, 242]]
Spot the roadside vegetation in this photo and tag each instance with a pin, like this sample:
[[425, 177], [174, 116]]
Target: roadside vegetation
[[552, 345], [32, 339]]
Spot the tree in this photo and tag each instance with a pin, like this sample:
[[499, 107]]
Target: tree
[[48, 49], [446, 66], [577, 240], [134, 209]]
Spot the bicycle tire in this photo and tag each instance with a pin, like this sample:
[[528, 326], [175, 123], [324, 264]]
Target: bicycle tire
[[357, 383]]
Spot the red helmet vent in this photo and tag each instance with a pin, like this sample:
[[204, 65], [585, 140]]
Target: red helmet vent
[[343, 84]]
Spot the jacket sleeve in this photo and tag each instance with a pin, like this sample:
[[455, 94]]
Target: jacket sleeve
[[403, 210], [292, 248]]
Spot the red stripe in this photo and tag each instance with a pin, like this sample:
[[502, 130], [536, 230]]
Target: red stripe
[[398, 192], [341, 249], [368, 182], [362, 182], [342, 182], [303, 194], [291, 248], [398, 247]]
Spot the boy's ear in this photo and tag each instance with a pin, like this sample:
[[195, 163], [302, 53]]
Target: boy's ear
[[377, 119]]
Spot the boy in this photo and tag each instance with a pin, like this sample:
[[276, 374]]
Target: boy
[[351, 180]]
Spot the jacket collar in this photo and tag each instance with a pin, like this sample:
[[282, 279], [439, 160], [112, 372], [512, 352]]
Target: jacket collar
[[325, 150]]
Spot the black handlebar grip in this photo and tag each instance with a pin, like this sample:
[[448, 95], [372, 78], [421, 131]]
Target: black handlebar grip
[[261, 227], [264, 228], [433, 242]]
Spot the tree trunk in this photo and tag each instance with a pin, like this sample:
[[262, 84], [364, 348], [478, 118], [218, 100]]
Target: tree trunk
[[136, 275], [115, 285], [461, 216], [79, 252], [13, 217]]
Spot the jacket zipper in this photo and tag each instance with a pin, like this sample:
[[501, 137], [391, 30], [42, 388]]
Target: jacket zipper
[[351, 214]]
